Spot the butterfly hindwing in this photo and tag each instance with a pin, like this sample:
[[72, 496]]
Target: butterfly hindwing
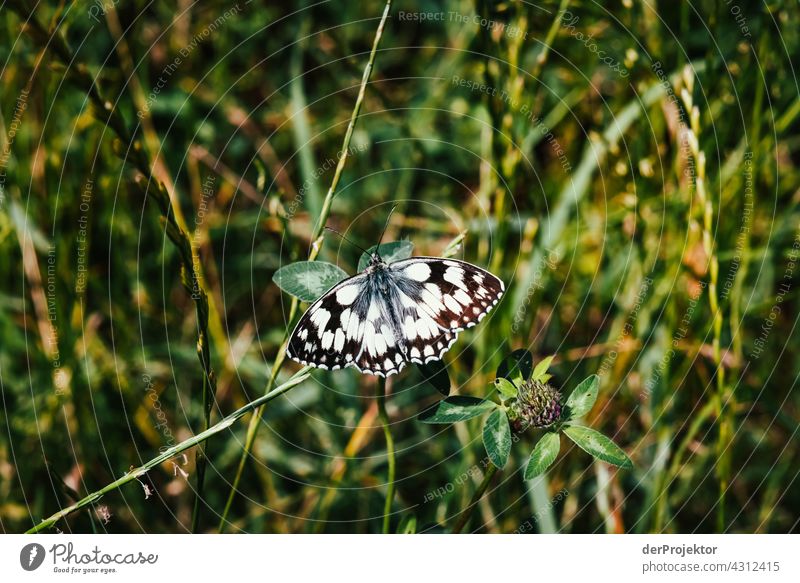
[[408, 311]]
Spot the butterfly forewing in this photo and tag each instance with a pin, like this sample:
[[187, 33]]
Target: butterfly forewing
[[440, 298], [408, 311], [330, 333]]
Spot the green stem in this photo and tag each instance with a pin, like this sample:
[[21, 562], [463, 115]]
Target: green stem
[[467, 512], [136, 473], [380, 395], [317, 240]]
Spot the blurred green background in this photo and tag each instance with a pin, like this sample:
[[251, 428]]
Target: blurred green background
[[554, 134]]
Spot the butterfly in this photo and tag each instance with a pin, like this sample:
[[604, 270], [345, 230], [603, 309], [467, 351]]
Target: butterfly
[[391, 314]]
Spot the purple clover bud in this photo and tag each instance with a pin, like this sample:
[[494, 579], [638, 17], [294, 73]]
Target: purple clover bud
[[537, 405]]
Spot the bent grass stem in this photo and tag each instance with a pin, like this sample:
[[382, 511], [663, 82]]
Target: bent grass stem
[[301, 375]]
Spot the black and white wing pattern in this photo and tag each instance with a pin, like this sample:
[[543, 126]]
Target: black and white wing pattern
[[330, 334], [439, 298], [408, 311]]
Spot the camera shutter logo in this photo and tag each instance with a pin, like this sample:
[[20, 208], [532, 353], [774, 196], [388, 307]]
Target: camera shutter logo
[[31, 556]]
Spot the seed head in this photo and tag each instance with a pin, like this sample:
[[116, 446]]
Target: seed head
[[537, 405]]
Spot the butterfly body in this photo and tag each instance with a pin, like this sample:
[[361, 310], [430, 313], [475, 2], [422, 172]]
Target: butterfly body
[[391, 314]]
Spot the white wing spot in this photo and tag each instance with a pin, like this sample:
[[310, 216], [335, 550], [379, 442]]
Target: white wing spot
[[380, 344], [432, 301], [352, 327], [388, 335], [344, 319], [452, 305], [418, 271], [327, 340], [320, 319], [455, 275], [406, 301], [338, 342], [428, 350], [434, 289], [347, 295], [462, 297], [426, 328], [369, 337], [409, 328]]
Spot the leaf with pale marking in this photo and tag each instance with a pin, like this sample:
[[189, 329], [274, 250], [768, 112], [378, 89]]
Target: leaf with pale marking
[[497, 438], [543, 455], [458, 408], [598, 445], [582, 399], [308, 280]]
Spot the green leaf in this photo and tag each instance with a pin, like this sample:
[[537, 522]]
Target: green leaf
[[408, 524], [541, 368], [394, 251], [598, 445], [308, 280], [582, 399], [543, 455], [505, 387], [516, 367], [435, 372], [456, 408], [497, 437]]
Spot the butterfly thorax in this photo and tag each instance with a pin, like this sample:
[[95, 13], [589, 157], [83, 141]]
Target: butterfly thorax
[[375, 261], [378, 272]]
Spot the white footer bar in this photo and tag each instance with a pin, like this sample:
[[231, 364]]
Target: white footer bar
[[353, 558]]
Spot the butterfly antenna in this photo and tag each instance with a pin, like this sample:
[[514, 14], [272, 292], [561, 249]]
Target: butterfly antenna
[[383, 232], [357, 246]]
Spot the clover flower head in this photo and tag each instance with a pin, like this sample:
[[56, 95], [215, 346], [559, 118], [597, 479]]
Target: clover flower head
[[537, 405]]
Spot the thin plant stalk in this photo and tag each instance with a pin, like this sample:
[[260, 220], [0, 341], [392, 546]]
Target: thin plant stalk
[[135, 153], [383, 415], [466, 513], [706, 205], [317, 239], [136, 473]]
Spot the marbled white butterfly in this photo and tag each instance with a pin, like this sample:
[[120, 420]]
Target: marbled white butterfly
[[394, 313]]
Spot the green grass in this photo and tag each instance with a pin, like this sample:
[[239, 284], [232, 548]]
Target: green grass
[[571, 178]]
